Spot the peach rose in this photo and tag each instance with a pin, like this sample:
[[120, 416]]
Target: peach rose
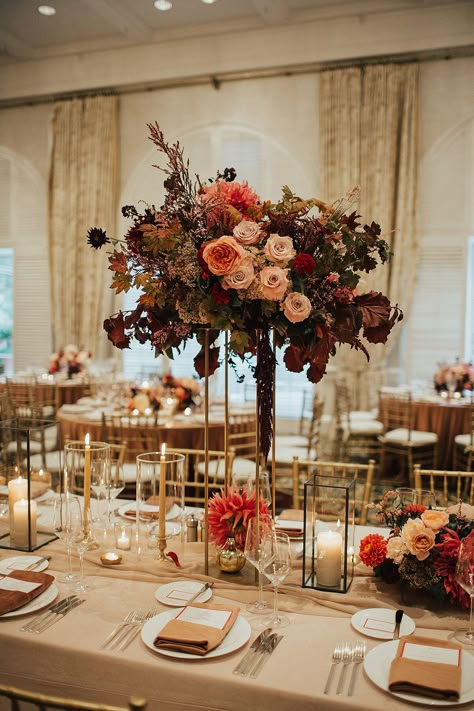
[[396, 549], [241, 277], [418, 539], [247, 232], [279, 249], [274, 282], [223, 255], [434, 519], [296, 307]]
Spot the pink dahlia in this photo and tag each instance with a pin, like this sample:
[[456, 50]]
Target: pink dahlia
[[228, 515], [239, 196]]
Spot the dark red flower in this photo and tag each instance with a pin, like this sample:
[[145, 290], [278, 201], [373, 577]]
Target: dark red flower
[[304, 264], [445, 566], [220, 295]]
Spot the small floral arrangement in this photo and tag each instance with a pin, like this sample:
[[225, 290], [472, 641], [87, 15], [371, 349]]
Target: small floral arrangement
[[457, 377], [70, 360], [229, 514], [421, 549], [216, 256], [185, 389]]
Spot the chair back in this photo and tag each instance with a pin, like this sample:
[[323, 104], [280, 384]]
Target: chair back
[[362, 473], [138, 433], [42, 702], [194, 465], [395, 411], [449, 486]]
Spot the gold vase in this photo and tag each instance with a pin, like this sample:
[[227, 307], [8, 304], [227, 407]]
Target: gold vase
[[229, 558]]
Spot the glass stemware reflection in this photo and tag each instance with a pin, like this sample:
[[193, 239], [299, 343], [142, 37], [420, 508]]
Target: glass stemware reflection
[[465, 578], [82, 539], [277, 567], [115, 484], [66, 510], [264, 487], [258, 553]]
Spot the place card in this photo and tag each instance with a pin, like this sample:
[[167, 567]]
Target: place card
[[17, 585], [425, 653], [372, 623], [201, 616], [183, 595]]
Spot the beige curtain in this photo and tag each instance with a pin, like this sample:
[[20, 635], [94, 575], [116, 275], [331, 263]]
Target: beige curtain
[[368, 136], [82, 194]]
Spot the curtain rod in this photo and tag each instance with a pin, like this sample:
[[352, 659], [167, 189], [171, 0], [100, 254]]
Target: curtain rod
[[217, 79]]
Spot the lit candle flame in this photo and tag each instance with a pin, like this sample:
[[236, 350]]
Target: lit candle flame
[[87, 440], [163, 449]]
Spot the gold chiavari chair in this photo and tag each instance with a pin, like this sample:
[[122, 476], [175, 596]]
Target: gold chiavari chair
[[356, 432], [449, 486], [289, 446], [194, 469], [463, 454], [362, 473], [43, 702]]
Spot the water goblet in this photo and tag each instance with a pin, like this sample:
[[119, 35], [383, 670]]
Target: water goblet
[[258, 554], [66, 510], [404, 496], [82, 539], [425, 497], [464, 575], [276, 568]]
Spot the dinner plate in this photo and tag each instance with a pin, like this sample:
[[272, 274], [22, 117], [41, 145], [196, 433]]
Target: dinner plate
[[178, 593], [236, 638], [38, 603], [20, 562], [173, 513], [379, 622], [377, 667]]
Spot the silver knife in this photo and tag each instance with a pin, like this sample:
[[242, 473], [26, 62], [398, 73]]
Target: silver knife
[[398, 619], [270, 645], [41, 618], [250, 654], [199, 592], [59, 615]]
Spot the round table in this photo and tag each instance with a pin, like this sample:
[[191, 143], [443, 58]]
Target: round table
[[447, 418]]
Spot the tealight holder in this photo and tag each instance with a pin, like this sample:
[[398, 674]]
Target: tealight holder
[[123, 536], [20, 440], [329, 527], [110, 558]]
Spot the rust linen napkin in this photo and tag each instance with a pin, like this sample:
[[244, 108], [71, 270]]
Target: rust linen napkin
[[181, 635], [14, 599], [433, 679]]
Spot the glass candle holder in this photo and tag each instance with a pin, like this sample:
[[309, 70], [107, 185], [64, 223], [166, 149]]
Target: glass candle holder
[[86, 473], [123, 536]]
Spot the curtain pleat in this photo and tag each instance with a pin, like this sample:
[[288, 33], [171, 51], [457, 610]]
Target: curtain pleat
[[82, 194]]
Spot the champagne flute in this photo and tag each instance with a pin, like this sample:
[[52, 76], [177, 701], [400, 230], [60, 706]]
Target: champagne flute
[[64, 514], [465, 578], [277, 567], [257, 553], [82, 538], [115, 484]]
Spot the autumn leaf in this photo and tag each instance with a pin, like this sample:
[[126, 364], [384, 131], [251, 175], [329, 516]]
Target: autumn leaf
[[319, 357], [378, 317], [199, 363], [118, 262], [121, 282], [294, 359], [115, 328]]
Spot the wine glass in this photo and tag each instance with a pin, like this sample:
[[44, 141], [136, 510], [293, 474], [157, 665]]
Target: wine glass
[[404, 496], [465, 578], [66, 510], [99, 488], [425, 497], [264, 487], [82, 538], [257, 552], [115, 484], [276, 568]]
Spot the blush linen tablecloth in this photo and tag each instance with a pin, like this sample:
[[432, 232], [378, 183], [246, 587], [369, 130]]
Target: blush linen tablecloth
[[67, 660]]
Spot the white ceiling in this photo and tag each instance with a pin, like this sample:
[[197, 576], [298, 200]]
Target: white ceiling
[[86, 25]]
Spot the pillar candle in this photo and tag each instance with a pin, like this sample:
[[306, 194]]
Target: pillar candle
[[328, 568], [20, 518], [87, 481], [17, 489], [162, 493]]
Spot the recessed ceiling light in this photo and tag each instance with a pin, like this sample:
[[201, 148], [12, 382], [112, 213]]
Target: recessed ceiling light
[[163, 4], [48, 10]]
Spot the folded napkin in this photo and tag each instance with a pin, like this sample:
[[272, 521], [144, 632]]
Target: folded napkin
[[152, 515], [28, 584], [292, 515], [427, 667], [290, 521], [197, 629], [37, 488]]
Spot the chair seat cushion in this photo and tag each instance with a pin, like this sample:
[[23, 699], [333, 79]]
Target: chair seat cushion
[[417, 437], [364, 427], [464, 440], [130, 473]]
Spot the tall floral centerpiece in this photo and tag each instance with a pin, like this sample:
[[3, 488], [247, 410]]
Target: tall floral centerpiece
[[421, 549], [216, 256]]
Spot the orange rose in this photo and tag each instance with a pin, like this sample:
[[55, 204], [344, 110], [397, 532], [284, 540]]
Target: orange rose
[[418, 538], [223, 255], [434, 519]]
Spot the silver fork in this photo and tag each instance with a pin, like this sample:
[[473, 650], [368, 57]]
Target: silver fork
[[336, 658], [346, 660], [131, 634], [358, 655], [126, 620]]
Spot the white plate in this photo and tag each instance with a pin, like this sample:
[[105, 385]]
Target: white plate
[[237, 637], [377, 667], [178, 593], [173, 513], [20, 562], [38, 603], [379, 622]]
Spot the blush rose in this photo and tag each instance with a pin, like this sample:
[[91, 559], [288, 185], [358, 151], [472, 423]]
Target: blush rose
[[241, 277], [279, 249], [418, 538], [296, 307], [434, 519], [274, 283], [247, 233]]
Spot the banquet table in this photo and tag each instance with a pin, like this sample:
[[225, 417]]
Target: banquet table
[[180, 431], [67, 659], [67, 391]]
